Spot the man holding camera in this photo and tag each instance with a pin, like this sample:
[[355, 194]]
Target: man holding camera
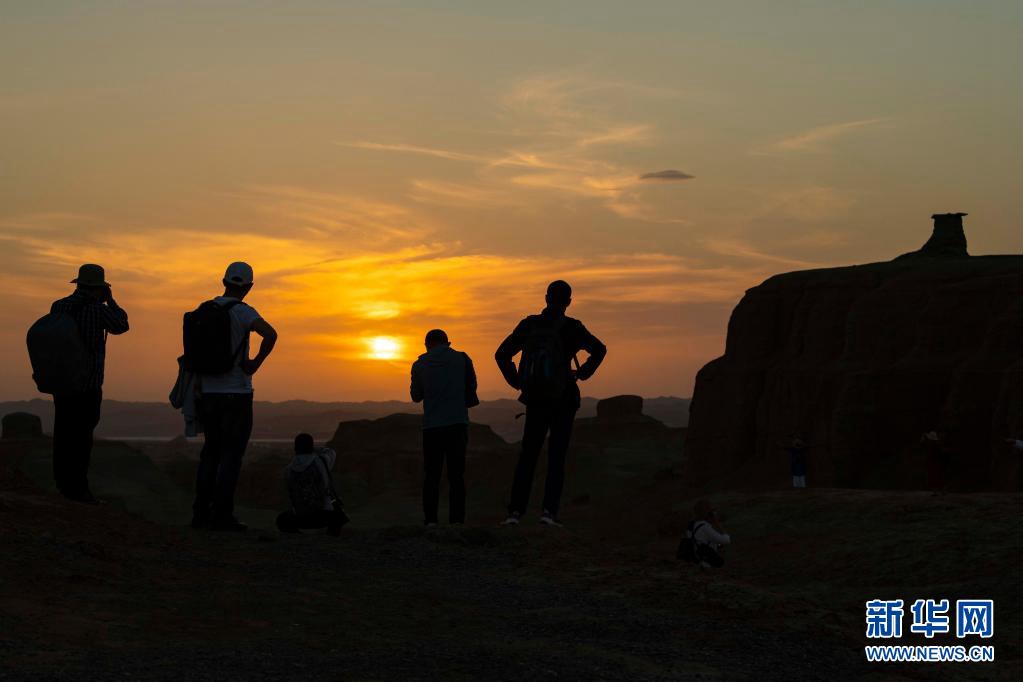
[[76, 412]]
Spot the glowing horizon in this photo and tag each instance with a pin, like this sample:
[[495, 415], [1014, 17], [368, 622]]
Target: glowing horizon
[[389, 170]]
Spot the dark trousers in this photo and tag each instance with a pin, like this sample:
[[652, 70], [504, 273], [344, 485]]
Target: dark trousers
[[331, 519], [440, 444], [75, 418], [709, 555], [558, 420], [227, 421]]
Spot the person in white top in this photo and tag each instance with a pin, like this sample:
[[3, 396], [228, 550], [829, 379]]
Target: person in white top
[[709, 535], [225, 407], [314, 500]]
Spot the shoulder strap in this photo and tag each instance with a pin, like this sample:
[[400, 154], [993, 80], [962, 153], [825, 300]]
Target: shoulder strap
[[330, 478], [227, 306]]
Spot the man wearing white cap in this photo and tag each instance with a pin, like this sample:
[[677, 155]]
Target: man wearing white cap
[[217, 349]]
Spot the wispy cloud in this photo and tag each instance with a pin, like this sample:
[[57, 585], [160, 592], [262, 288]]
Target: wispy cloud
[[459, 195], [416, 149], [816, 140], [52, 220], [740, 249], [631, 134], [567, 134], [810, 204], [326, 214]]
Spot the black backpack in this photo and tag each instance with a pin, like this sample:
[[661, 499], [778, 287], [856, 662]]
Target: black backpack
[[60, 361], [543, 370], [308, 488], [207, 339], [687, 547]]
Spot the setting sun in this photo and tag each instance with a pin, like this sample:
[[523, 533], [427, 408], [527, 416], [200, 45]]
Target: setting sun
[[384, 348]]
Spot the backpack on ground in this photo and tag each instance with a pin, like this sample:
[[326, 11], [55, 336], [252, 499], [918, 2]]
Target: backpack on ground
[[543, 371], [207, 339], [60, 361], [687, 547]]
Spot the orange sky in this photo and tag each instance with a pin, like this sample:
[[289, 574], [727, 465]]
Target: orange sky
[[387, 169]]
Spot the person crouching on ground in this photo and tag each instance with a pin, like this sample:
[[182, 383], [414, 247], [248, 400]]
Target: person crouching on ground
[[704, 538], [314, 501]]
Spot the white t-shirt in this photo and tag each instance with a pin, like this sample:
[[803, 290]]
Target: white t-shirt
[[706, 535], [243, 316]]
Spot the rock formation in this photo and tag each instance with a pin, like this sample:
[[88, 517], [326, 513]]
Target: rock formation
[[22, 425], [620, 407], [948, 240], [620, 423], [861, 361], [386, 454]]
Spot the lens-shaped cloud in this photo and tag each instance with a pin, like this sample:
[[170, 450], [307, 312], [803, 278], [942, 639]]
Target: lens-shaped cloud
[[666, 175]]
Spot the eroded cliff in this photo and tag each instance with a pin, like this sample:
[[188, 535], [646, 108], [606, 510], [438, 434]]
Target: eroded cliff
[[861, 361]]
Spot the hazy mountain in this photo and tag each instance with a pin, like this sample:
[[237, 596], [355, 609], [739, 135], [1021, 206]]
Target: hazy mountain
[[285, 419]]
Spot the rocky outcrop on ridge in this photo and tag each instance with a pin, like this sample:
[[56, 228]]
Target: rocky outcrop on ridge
[[861, 361]]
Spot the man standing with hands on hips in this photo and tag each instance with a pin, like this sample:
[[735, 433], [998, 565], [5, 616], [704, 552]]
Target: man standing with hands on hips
[[548, 385], [216, 340]]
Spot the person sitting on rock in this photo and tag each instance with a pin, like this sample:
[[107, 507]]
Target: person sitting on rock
[[314, 502], [704, 538]]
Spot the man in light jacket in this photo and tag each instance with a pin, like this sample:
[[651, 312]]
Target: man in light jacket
[[444, 380]]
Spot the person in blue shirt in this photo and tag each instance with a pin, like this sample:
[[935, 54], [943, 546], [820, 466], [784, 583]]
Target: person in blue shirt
[[443, 379]]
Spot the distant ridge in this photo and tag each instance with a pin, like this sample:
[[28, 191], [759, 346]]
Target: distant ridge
[[125, 419]]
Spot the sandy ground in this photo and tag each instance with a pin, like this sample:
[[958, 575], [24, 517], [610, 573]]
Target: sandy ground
[[121, 592]]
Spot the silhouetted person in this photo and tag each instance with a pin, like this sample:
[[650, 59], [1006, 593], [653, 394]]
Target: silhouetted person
[[77, 411], [443, 379], [314, 501], [549, 343], [937, 459], [217, 349], [705, 535], [798, 451]]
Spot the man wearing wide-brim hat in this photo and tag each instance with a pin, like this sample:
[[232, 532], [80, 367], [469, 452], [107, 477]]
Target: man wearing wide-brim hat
[[76, 413]]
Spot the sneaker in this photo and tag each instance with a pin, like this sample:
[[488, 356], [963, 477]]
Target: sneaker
[[84, 498], [229, 524], [199, 523], [431, 524], [548, 519], [512, 520]]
